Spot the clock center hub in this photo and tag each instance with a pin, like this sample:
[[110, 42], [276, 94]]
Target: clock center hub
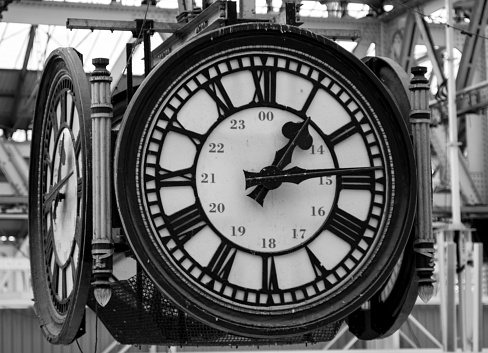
[[65, 203]]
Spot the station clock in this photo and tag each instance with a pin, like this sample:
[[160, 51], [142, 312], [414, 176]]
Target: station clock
[[265, 179], [59, 197]]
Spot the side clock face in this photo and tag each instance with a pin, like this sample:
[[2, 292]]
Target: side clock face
[[58, 187], [264, 180]]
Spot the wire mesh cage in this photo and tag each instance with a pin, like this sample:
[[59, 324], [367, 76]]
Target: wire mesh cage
[[139, 314]]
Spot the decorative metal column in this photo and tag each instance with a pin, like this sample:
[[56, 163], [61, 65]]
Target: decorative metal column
[[420, 120], [102, 244]]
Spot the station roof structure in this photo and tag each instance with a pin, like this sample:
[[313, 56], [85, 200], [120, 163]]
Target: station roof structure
[[31, 29]]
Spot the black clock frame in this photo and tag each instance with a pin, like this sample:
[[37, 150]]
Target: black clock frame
[[285, 322], [390, 307]]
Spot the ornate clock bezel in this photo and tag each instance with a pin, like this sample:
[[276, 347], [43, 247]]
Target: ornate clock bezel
[[226, 316], [61, 316]]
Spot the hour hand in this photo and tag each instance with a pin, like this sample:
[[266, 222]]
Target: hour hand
[[298, 135], [272, 177]]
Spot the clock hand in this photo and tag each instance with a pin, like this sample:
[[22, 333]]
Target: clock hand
[[62, 157], [54, 192], [271, 177], [298, 135]]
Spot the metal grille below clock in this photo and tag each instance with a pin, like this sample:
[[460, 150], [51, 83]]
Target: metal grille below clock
[[139, 314]]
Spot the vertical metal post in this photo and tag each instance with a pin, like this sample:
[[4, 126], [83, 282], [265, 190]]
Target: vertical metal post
[[129, 47], [441, 262], [450, 337], [468, 294], [453, 128], [461, 239], [424, 243], [147, 51], [477, 297], [102, 244]]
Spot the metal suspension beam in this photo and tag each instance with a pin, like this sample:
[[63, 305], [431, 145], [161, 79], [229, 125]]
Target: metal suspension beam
[[20, 82], [469, 191], [431, 52], [472, 44], [410, 35], [468, 100], [14, 167], [401, 9]]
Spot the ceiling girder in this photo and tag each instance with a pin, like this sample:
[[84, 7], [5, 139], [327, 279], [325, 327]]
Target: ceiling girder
[[472, 45], [410, 35], [56, 13], [400, 9], [14, 167]]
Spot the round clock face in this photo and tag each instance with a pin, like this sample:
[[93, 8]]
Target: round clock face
[[57, 191], [259, 183]]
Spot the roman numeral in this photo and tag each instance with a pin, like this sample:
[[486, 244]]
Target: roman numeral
[[55, 277], [63, 107], [168, 178], [358, 181], [222, 261], [220, 96], [344, 132], [54, 122], [270, 280], [319, 269], [310, 98], [64, 287], [185, 224], [345, 226], [72, 114], [317, 266], [264, 83], [195, 137]]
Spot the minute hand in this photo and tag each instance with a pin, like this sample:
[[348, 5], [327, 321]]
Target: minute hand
[[51, 195], [271, 178]]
